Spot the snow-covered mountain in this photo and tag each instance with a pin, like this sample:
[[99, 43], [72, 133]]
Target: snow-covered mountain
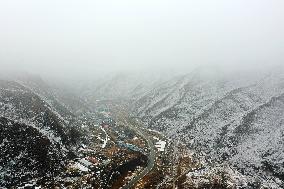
[[37, 131], [233, 117], [124, 85]]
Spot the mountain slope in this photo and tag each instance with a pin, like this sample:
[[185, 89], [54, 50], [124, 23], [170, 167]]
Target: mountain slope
[[26, 153], [37, 134], [235, 118]]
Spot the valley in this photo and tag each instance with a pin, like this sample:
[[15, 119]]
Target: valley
[[194, 131]]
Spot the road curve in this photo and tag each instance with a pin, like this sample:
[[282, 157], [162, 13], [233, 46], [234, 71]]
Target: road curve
[[151, 157]]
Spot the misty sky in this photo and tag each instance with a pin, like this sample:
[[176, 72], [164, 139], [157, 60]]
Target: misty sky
[[85, 37]]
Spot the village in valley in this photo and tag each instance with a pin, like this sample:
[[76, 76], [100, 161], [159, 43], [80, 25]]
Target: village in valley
[[120, 154]]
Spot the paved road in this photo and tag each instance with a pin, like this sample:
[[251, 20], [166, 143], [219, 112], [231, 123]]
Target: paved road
[[151, 156]]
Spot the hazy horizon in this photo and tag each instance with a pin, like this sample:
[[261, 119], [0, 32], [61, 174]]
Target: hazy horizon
[[80, 39]]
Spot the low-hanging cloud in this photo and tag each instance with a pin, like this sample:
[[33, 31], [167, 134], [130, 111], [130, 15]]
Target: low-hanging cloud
[[79, 38]]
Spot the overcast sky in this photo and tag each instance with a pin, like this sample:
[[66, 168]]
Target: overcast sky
[[85, 37]]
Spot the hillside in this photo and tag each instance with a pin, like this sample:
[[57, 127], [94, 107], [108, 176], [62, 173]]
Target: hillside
[[235, 118], [37, 133]]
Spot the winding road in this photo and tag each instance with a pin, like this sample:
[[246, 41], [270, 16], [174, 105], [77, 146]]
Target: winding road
[[151, 156]]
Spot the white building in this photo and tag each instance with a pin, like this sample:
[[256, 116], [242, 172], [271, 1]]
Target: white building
[[160, 145]]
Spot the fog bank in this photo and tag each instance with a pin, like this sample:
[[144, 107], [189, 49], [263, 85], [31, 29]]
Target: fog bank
[[67, 39]]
